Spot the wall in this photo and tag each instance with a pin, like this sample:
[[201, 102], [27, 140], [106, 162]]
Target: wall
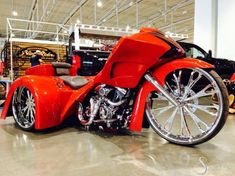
[[214, 27], [203, 24], [226, 29]]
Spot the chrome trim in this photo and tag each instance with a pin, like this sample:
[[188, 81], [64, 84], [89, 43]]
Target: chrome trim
[[114, 103]]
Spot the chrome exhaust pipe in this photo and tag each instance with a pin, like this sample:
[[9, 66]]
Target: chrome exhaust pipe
[[94, 106]]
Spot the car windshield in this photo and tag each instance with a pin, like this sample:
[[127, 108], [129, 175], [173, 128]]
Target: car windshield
[[193, 52]]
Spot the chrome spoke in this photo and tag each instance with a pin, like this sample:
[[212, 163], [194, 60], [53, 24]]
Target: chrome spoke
[[205, 108], [31, 97], [183, 124], [24, 109], [33, 110], [191, 83], [169, 87], [31, 116], [202, 93], [177, 81], [163, 109], [169, 122], [197, 120], [27, 113], [28, 95]]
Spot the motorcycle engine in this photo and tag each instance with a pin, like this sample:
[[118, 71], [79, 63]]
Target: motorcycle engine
[[106, 106]]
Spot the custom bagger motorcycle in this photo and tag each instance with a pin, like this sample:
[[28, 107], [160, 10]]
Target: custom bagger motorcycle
[[146, 77]]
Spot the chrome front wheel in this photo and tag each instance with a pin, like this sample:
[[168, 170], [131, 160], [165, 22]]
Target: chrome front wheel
[[23, 107], [196, 118]]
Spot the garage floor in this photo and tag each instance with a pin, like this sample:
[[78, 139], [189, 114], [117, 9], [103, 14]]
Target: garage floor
[[72, 151]]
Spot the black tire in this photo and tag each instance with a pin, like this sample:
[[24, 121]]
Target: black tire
[[2, 93], [2, 90], [215, 128], [23, 108]]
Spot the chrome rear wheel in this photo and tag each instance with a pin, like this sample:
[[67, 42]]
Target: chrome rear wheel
[[197, 118], [23, 107]]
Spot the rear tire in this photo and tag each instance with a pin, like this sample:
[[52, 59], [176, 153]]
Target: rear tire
[[2, 93], [197, 119], [23, 108]]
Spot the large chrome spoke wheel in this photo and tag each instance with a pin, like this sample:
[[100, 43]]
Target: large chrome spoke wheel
[[23, 107], [197, 117]]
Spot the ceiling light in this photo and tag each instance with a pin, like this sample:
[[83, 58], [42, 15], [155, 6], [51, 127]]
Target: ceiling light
[[104, 20], [131, 3], [14, 13], [184, 12], [99, 3], [127, 27], [65, 32], [12, 35], [78, 21]]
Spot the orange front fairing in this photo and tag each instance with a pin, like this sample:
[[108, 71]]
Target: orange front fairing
[[131, 58]]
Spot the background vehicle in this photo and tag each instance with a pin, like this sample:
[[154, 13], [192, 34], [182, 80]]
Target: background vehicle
[[136, 79], [224, 67]]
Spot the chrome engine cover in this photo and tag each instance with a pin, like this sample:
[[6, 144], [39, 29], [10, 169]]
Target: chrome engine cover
[[103, 106]]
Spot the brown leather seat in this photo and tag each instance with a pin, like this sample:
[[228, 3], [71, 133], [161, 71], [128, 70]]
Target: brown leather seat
[[61, 68], [61, 65], [74, 82]]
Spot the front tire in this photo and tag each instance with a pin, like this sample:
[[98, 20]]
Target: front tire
[[23, 108], [198, 118]]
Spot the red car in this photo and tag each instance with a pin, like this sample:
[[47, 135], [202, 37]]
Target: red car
[[133, 85]]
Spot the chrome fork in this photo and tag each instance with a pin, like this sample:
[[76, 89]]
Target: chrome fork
[[154, 82]]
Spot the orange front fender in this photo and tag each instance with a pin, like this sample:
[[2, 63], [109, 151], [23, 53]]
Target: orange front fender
[[160, 74]]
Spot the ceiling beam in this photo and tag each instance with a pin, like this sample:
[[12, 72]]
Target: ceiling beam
[[33, 6], [106, 15], [160, 14], [187, 30], [74, 11], [177, 22], [120, 10], [31, 12]]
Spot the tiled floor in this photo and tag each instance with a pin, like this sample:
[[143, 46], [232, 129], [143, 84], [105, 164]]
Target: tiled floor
[[73, 151]]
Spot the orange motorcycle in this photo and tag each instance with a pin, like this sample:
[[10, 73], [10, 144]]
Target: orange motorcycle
[[145, 77]]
